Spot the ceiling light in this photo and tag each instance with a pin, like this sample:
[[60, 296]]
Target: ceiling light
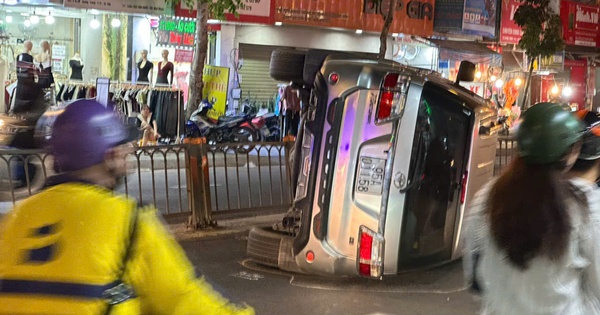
[[478, 74], [115, 22], [34, 19], [278, 23], [27, 23], [493, 78], [94, 12], [568, 91], [359, 31], [395, 35], [94, 24], [554, 90], [212, 21], [49, 19], [9, 19]]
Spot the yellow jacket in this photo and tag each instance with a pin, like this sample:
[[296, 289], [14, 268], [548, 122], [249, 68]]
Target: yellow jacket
[[75, 235]]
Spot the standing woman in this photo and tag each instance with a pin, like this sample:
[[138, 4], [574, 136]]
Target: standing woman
[[524, 230], [144, 68]]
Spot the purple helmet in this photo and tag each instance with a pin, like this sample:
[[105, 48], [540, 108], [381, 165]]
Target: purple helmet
[[83, 133]]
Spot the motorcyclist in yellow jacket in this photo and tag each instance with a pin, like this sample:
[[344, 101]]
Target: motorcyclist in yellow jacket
[[78, 248]]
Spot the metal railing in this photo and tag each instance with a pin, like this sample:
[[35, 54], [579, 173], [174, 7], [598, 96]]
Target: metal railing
[[505, 152], [195, 180], [243, 178]]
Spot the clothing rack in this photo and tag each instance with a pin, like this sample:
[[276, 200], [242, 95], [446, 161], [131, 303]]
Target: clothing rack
[[129, 101]]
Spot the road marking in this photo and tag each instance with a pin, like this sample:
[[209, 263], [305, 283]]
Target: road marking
[[248, 263], [247, 275]]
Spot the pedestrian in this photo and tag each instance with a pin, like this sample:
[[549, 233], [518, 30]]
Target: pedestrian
[[291, 109], [79, 248], [527, 250], [147, 125]]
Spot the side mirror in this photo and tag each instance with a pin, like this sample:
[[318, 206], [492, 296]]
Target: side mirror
[[466, 72]]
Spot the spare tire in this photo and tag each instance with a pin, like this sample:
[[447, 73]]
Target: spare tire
[[287, 65]]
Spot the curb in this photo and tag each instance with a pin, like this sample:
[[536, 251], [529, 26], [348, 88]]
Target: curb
[[224, 227]]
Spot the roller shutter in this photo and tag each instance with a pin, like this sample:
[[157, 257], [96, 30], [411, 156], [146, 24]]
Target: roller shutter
[[254, 75]]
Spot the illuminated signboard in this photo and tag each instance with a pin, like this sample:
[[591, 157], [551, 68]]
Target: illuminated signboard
[[176, 32]]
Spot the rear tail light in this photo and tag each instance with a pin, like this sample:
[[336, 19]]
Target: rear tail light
[[370, 253], [392, 97], [463, 187]]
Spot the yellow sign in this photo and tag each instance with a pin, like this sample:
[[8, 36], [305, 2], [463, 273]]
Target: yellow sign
[[216, 82]]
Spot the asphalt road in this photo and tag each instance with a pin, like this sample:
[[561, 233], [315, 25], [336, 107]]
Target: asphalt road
[[222, 260]]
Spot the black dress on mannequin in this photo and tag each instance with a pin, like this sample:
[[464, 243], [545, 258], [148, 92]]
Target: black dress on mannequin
[[143, 72], [76, 68]]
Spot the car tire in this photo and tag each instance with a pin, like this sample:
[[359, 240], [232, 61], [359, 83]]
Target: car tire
[[263, 245], [287, 65]]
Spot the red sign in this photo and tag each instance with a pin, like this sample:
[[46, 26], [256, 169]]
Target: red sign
[[577, 80], [580, 24], [184, 55], [249, 11], [510, 32], [411, 17]]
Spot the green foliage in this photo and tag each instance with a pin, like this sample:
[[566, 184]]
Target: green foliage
[[542, 28], [217, 8]]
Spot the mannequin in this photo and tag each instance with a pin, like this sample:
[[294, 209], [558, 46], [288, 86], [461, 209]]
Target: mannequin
[[76, 65], [25, 59], [144, 68], [165, 70], [43, 59]]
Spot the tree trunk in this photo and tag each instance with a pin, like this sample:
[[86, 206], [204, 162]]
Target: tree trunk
[[527, 84], [196, 84], [389, 18]]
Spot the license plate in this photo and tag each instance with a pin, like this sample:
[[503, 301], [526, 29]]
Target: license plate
[[369, 179]]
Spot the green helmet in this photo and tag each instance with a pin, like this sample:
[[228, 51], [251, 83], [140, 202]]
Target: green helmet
[[547, 132]]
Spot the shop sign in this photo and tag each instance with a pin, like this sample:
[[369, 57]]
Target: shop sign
[[448, 15], [216, 84], [156, 7], [176, 32], [59, 52], [510, 32], [580, 24], [413, 17], [182, 55], [250, 11], [551, 64], [479, 18]]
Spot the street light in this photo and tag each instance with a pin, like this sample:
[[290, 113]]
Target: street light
[[554, 90], [567, 91]]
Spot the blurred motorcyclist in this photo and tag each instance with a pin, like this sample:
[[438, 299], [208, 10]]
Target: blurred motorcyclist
[[78, 248]]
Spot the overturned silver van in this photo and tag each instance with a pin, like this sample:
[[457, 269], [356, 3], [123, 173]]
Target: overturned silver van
[[387, 158]]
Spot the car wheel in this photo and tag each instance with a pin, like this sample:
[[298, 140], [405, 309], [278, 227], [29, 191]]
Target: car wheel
[[263, 245]]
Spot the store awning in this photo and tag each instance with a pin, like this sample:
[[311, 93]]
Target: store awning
[[463, 50]]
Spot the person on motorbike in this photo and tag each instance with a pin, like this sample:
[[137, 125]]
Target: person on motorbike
[[79, 248]]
